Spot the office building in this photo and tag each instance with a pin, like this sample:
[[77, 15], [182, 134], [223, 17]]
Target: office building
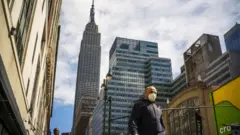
[[97, 118], [197, 58], [88, 74], [232, 38], [178, 84], [223, 69], [29, 36], [135, 65]]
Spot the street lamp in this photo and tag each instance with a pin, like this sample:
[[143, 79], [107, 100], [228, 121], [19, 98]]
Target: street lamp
[[109, 76], [105, 88]]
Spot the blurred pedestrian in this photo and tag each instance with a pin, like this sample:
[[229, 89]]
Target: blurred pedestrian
[[146, 116], [56, 131]]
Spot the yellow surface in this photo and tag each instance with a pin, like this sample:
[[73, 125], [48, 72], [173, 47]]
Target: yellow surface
[[229, 92]]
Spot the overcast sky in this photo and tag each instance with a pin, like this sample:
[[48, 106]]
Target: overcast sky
[[173, 24]]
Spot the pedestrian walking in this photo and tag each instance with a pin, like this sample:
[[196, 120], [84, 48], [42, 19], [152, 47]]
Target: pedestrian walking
[[146, 116]]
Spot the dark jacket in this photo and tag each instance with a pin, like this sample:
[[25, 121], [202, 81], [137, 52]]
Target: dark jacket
[[146, 119]]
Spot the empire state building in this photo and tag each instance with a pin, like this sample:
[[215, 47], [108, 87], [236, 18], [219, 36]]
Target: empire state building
[[87, 84]]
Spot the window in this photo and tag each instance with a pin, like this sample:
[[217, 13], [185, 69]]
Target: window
[[152, 46], [124, 46], [152, 52], [27, 86], [34, 47], [10, 4], [49, 6], [33, 98], [23, 26], [43, 4]]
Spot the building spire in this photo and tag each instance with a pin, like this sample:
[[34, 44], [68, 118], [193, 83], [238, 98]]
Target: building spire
[[92, 13]]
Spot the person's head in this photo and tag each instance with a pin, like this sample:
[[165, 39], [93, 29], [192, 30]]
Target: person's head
[[56, 131], [151, 93]]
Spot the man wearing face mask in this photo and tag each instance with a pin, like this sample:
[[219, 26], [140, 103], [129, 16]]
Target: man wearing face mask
[[146, 116]]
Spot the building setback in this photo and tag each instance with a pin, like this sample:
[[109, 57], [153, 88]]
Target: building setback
[[87, 84], [29, 36], [135, 65]]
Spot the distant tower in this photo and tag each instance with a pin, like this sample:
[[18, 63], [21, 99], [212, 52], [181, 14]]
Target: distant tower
[[87, 84]]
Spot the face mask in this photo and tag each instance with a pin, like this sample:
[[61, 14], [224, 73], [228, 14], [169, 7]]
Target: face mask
[[152, 97]]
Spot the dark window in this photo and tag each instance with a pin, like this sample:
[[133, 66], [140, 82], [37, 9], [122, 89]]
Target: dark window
[[43, 4], [49, 6], [33, 99], [10, 4], [152, 52], [124, 46], [35, 45], [23, 26], [152, 46], [43, 40], [27, 86]]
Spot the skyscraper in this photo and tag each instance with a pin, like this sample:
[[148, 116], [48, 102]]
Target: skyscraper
[[232, 38], [88, 74], [135, 65]]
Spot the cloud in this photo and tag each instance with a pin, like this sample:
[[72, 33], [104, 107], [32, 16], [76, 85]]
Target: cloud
[[173, 24]]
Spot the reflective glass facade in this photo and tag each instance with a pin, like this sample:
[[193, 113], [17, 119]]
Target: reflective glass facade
[[232, 38], [97, 119], [179, 84], [135, 65]]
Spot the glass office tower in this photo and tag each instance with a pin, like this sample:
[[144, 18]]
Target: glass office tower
[[232, 38], [135, 65]]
